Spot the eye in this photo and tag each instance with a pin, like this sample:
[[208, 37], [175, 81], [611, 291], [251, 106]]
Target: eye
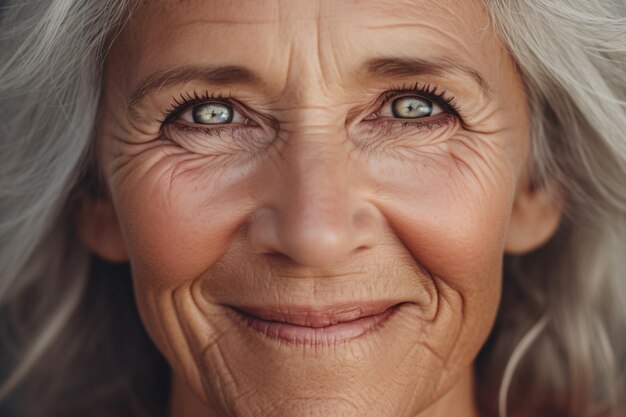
[[211, 113], [410, 107]]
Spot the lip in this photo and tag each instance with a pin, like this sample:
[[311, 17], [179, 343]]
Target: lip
[[314, 325]]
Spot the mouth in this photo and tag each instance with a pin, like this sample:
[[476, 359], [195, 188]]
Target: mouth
[[306, 325]]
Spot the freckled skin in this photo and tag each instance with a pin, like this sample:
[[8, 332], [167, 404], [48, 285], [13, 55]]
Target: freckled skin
[[318, 210]]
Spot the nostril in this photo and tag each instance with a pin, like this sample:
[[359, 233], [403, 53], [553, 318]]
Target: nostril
[[262, 233], [368, 222]]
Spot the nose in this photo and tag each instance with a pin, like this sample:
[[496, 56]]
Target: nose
[[315, 211]]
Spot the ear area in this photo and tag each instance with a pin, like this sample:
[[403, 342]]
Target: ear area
[[536, 216], [99, 229]]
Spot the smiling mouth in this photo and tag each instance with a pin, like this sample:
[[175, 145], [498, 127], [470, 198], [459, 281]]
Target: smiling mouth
[[302, 325]]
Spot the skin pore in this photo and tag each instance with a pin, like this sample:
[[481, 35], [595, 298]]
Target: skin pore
[[319, 192]]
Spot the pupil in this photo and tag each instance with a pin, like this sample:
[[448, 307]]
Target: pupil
[[212, 113]]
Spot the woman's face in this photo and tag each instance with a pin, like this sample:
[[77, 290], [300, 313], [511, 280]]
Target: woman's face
[[310, 163]]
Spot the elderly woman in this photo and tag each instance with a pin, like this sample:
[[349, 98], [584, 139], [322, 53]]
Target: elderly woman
[[313, 208]]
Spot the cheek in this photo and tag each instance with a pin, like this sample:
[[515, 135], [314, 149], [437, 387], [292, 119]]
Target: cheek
[[450, 205], [178, 211]]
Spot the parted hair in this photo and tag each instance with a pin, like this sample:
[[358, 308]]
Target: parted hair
[[71, 341]]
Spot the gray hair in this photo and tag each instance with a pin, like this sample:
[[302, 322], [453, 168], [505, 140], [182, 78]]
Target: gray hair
[[558, 346]]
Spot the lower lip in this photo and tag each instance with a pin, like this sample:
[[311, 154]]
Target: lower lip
[[320, 336]]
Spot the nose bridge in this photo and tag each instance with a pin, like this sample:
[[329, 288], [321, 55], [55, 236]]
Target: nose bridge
[[319, 218], [319, 195]]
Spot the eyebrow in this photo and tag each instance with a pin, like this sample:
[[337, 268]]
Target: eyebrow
[[236, 74], [411, 67], [230, 74]]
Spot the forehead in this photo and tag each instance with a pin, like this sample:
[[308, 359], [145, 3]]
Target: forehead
[[326, 39]]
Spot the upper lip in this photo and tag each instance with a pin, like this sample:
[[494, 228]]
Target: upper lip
[[315, 316]]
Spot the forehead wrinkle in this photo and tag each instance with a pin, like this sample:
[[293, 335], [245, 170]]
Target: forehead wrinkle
[[327, 57], [312, 79], [446, 18], [459, 40], [416, 10], [315, 58], [310, 69]]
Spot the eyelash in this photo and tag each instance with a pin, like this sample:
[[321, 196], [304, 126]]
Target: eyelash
[[185, 101], [427, 91], [440, 97]]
